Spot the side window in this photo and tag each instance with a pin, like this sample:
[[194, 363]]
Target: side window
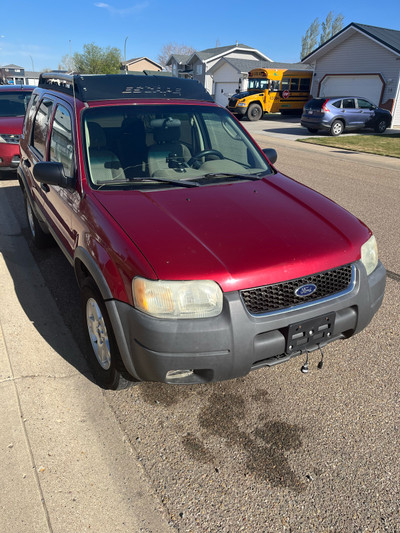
[[305, 84], [32, 105], [364, 104], [41, 126], [294, 84], [337, 104], [61, 141], [348, 103], [274, 86], [285, 84]]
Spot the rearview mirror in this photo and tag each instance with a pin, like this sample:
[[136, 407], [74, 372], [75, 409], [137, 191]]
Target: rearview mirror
[[52, 173], [271, 154]]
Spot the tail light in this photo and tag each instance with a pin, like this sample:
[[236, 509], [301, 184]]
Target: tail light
[[324, 107]]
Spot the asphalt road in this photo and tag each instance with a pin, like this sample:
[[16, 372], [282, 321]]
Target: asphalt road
[[278, 450]]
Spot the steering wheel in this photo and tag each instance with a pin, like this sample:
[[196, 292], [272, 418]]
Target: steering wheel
[[204, 153]]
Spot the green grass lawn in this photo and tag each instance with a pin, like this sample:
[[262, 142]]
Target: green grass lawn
[[373, 144]]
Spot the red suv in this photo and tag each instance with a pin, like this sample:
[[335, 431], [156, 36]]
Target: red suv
[[13, 103], [196, 259]]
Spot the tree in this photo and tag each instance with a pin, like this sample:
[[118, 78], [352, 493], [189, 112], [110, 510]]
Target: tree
[[310, 40], [173, 48], [67, 63], [96, 60], [329, 28]]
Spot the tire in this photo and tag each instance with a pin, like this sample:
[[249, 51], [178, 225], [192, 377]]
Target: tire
[[312, 130], [337, 127], [38, 236], [254, 112], [381, 126], [101, 348]]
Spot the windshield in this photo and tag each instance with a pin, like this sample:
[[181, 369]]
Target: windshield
[[131, 146], [14, 103], [260, 84]]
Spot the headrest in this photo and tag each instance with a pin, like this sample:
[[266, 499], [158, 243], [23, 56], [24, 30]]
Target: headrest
[[97, 137], [166, 129]]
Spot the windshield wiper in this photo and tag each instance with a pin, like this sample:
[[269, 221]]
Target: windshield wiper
[[251, 177], [180, 183]]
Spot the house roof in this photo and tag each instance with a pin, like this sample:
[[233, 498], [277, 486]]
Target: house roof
[[213, 53], [137, 59], [386, 37], [11, 66], [245, 65]]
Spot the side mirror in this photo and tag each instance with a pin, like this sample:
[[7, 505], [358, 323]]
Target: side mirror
[[271, 154], [52, 173]]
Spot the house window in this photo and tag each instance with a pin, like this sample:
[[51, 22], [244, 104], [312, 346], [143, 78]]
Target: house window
[[199, 69]]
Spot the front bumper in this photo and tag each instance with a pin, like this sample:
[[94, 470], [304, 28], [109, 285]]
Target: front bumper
[[9, 156], [241, 111], [235, 342]]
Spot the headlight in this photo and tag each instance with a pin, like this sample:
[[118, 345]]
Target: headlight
[[177, 299], [242, 104], [369, 254]]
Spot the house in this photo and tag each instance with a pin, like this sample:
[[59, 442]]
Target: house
[[199, 64], [16, 75], [231, 75], [139, 64], [360, 60]]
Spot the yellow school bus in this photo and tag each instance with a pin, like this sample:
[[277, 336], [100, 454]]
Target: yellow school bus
[[272, 90]]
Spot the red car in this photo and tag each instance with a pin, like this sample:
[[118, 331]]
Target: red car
[[197, 260], [13, 103]]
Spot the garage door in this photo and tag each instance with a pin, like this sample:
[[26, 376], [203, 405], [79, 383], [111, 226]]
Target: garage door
[[224, 90], [368, 86]]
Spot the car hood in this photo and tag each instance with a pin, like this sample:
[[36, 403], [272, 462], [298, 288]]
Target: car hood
[[241, 234], [11, 124]]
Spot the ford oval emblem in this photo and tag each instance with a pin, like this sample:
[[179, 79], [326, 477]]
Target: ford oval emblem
[[305, 290]]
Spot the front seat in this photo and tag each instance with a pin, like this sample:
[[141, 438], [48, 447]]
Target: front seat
[[104, 164], [166, 133]]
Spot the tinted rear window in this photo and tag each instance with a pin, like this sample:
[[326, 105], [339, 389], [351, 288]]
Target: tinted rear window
[[315, 103]]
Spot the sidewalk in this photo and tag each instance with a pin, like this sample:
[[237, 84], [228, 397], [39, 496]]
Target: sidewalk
[[65, 464]]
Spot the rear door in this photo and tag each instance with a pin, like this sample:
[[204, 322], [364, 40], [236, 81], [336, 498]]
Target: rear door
[[352, 115]]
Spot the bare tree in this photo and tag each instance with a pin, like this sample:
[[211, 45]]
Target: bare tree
[[173, 48], [67, 63]]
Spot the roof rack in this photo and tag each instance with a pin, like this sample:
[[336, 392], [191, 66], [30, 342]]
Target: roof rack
[[91, 87]]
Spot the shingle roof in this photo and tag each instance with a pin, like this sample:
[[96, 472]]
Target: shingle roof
[[211, 52], [245, 65], [389, 38]]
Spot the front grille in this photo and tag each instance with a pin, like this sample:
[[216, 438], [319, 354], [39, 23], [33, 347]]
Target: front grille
[[282, 295], [232, 102]]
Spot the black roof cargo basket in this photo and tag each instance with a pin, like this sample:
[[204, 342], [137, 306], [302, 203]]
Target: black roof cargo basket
[[91, 87]]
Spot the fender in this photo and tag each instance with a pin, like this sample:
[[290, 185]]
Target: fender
[[84, 261]]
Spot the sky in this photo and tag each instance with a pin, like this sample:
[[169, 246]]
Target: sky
[[36, 36]]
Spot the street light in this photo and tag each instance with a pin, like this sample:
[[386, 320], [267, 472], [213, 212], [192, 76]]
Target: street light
[[126, 38]]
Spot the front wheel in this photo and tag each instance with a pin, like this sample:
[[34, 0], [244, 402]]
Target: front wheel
[[254, 112], [102, 353], [337, 128], [381, 126]]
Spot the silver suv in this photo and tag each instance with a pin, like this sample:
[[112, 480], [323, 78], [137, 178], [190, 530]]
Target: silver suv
[[344, 113]]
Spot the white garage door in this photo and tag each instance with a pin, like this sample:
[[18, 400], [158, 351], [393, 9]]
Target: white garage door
[[368, 86], [224, 90]]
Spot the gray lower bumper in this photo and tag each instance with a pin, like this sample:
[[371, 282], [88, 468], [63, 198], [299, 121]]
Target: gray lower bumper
[[235, 342]]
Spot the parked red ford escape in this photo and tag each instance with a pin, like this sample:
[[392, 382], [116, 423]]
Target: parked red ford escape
[[13, 103], [196, 259]]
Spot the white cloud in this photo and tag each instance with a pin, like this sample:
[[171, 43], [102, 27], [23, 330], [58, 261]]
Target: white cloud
[[137, 8]]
